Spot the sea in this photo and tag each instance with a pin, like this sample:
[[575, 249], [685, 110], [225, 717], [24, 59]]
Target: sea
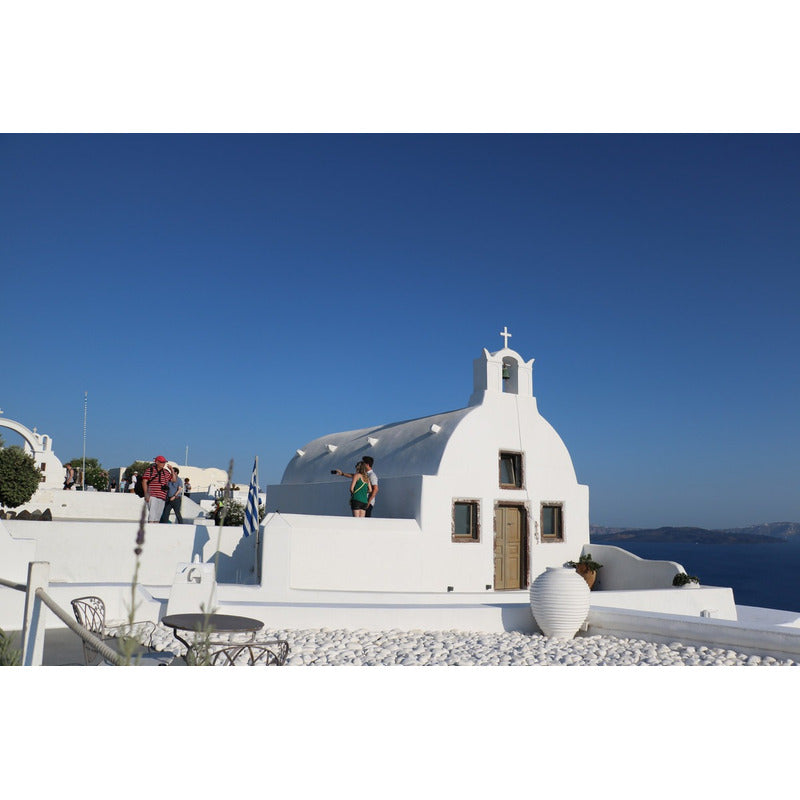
[[766, 575]]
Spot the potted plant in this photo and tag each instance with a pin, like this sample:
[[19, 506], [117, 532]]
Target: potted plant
[[586, 568], [686, 581]]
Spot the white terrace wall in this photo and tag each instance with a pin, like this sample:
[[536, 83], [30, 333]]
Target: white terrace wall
[[625, 571], [72, 505], [345, 554], [339, 553], [398, 498], [102, 552], [396, 555], [702, 601]]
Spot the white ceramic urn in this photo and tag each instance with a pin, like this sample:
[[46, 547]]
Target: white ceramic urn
[[560, 602]]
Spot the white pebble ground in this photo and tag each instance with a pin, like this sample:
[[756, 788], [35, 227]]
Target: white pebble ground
[[324, 647]]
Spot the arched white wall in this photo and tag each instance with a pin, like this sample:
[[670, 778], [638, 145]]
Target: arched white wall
[[40, 446]]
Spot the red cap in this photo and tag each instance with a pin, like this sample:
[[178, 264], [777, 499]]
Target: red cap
[[160, 458]]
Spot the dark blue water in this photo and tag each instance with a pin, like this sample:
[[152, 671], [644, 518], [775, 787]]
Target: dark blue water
[[766, 575]]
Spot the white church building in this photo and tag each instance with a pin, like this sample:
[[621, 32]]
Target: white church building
[[481, 498]]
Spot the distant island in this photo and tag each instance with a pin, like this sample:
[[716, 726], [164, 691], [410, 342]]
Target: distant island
[[768, 532]]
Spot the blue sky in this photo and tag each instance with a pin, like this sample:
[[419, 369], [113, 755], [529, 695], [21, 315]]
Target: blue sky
[[243, 294]]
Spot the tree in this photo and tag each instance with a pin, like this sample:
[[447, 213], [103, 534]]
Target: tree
[[19, 476], [95, 474], [137, 466]]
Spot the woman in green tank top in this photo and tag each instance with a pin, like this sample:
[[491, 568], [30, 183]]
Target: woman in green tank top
[[359, 490]]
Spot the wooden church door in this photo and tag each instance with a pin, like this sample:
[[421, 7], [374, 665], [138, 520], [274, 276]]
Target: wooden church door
[[509, 547]]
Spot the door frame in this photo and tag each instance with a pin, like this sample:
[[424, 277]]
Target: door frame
[[525, 539]]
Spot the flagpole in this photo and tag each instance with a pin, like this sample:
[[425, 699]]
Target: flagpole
[[83, 470], [258, 528], [251, 520]]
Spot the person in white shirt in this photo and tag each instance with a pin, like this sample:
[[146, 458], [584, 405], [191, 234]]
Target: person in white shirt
[[373, 482]]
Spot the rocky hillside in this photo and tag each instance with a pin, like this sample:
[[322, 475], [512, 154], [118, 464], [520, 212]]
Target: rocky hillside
[[766, 532]]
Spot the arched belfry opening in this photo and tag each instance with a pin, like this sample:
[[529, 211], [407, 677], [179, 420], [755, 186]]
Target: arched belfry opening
[[510, 375]]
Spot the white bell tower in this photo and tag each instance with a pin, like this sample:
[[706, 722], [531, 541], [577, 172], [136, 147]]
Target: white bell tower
[[503, 372]]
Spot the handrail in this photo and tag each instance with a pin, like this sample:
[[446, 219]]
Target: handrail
[[105, 651]]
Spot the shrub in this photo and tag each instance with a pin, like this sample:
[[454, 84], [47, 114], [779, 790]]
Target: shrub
[[233, 511], [19, 476], [9, 656], [95, 474], [681, 579], [586, 561]]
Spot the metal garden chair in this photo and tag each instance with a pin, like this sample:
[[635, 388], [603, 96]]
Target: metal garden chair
[[251, 654], [90, 612]]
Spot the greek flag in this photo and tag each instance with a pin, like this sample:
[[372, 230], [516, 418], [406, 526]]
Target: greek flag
[[251, 511]]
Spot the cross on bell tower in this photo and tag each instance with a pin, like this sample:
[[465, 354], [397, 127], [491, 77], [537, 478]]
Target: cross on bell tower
[[506, 335]]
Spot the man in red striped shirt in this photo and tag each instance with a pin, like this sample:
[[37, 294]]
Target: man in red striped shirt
[[154, 482]]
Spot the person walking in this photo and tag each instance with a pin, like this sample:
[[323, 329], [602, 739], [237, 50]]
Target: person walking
[[174, 497], [154, 482], [187, 488]]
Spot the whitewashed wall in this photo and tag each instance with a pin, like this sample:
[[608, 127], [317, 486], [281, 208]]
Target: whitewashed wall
[[73, 505], [102, 552], [398, 498], [622, 570], [92, 551], [469, 470]]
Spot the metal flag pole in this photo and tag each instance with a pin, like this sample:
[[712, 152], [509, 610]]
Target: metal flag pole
[[258, 543], [83, 470]]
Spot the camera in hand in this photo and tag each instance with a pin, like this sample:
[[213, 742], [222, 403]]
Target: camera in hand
[[334, 471]]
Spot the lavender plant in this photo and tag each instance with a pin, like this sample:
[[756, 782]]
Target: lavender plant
[[128, 643]]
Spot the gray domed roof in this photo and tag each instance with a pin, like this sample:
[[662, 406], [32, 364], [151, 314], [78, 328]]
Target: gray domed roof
[[413, 447]]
